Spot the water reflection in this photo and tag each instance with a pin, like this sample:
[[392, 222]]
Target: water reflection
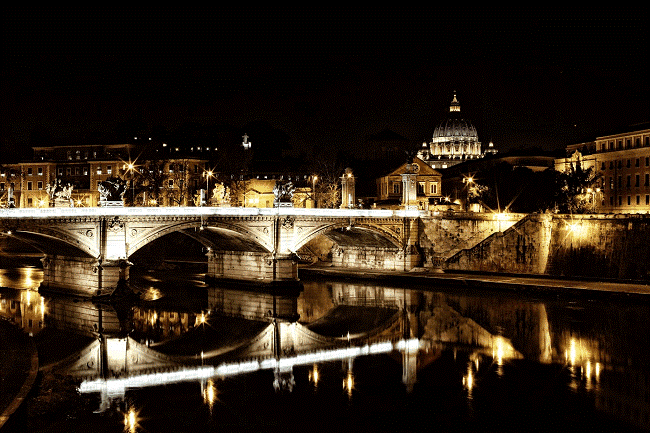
[[595, 349], [25, 308]]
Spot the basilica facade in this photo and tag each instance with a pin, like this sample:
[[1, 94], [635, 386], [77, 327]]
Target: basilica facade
[[455, 140]]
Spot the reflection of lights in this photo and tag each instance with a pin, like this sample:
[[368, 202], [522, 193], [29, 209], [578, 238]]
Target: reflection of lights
[[232, 369], [348, 383], [131, 421], [499, 351], [468, 380], [313, 375], [209, 393]]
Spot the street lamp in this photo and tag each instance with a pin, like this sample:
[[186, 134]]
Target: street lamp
[[593, 198], [130, 167], [207, 175]]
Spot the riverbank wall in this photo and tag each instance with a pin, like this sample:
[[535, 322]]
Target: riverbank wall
[[602, 246]]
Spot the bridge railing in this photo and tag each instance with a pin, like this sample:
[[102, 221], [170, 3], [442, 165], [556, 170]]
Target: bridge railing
[[204, 211]]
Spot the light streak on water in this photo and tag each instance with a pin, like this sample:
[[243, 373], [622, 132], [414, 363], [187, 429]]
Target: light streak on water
[[118, 386]]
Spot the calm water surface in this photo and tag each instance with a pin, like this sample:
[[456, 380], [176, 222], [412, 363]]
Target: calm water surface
[[489, 361]]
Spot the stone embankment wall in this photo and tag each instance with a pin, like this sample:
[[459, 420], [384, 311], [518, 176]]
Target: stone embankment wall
[[606, 246], [441, 236]]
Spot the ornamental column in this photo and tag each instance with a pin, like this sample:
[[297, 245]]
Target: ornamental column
[[347, 189]]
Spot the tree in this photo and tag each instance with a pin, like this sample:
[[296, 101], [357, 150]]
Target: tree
[[575, 189]]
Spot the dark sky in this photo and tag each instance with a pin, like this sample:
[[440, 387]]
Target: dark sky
[[327, 76]]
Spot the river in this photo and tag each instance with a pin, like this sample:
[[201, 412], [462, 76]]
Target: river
[[469, 360]]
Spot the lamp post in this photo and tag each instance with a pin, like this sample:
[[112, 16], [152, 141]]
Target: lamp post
[[593, 198], [314, 178], [130, 167], [208, 175]]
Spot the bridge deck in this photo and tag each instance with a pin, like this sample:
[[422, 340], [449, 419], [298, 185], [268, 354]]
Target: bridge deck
[[206, 211]]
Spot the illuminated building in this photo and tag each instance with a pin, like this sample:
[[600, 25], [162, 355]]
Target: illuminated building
[[390, 188], [622, 165], [454, 140], [85, 166]]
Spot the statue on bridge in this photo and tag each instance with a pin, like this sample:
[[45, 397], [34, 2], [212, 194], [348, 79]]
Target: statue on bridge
[[111, 191], [283, 194], [60, 195], [221, 195]]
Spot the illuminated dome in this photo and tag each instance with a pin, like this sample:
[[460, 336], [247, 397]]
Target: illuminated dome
[[454, 140]]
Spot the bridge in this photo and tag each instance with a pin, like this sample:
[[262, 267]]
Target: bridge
[[86, 250]]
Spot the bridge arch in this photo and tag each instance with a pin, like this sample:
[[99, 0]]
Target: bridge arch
[[359, 234], [216, 235], [51, 241]]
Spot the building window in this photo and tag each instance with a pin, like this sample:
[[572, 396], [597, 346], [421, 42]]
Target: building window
[[647, 180], [629, 200], [434, 187], [636, 180], [647, 199], [638, 200], [99, 169], [60, 171], [628, 163], [29, 186], [98, 183], [395, 188], [611, 201], [29, 171], [40, 171], [420, 188], [611, 182], [30, 202], [620, 200], [85, 171], [171, 183], [109, 169], [628, 183], [2, 186], [602, 165], [39, 185]]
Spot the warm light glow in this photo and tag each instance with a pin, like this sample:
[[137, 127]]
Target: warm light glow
[[348, 383], [468, 380], [313, 375], [210, 393], [131, 421]]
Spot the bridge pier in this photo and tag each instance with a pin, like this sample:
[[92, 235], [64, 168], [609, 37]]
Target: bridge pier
[[251, 266], [84, 276]]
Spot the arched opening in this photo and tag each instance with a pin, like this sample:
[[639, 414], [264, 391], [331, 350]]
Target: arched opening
[[338, 245]]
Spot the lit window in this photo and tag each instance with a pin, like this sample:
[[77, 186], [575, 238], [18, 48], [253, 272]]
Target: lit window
[[109, 169], [39, 185], [40, 171], [99, 169]]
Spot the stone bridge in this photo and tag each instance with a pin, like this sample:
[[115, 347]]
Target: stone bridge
[[87, 250]]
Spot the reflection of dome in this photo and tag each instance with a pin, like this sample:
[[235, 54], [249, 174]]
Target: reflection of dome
[[454, 140]]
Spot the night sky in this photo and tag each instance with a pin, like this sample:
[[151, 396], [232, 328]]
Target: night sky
[[327, 76]]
